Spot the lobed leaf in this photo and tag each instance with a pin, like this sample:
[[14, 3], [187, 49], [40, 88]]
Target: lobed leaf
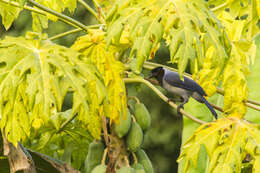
[[9, 13], [35, 76], [245, 12], [188, 27], [93, 46], [41, 21], [228, 141]]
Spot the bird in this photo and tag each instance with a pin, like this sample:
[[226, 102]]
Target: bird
[[172, 82]]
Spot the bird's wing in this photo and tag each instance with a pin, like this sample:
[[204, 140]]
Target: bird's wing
[[173, 79]]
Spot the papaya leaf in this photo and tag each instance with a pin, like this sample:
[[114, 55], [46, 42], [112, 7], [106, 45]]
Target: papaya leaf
[[35, 76], [106, 5], [239, 19], [188, 28], [227, 141], [8, 13], [93, 46], [41, 21], [238, 11], [235, 77]]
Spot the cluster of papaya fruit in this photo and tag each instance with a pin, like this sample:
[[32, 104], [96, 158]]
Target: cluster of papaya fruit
[[130, 130]]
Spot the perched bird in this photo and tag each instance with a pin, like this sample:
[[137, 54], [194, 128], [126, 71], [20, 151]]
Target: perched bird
[[171, 81]]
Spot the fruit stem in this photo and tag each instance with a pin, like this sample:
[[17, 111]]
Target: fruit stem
[[103, 162], [134, 98], [133, 117], [134, 157]]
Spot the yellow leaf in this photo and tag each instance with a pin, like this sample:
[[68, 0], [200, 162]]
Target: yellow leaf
[[227, 142], [93, 46]]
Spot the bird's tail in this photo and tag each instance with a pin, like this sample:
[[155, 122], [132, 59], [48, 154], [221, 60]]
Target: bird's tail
[[210, 107]]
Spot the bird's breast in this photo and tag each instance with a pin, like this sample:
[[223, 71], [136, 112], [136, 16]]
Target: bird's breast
[[175, 90]]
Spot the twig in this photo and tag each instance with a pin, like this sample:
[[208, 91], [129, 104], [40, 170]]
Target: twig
[[72, 31], [65, 33], [100, 12], [103, 162], [67, 122], [134, 98], [92, 11], [253, 106], [59, 15], [218, 7], [163, 97]]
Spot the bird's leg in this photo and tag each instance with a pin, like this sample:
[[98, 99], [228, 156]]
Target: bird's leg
[[170, 100], [177, 99], [185, 100]]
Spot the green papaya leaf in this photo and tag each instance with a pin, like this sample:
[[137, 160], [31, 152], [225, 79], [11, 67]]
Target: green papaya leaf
[[227, 142], [188, 28], [35, 76]]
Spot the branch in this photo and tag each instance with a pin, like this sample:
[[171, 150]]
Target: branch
[[100, 12], [61, 16], [73, 31], [66, 123], [82, 2], [163, 97], [151, 65], [218, 7], [253, 106]]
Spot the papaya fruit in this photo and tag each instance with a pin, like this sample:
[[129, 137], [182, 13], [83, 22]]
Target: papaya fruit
[[135, 137], [123, 127], [142, 116], [99, 169], [144, 160], [126, 169], [139, 168], [95, 154]]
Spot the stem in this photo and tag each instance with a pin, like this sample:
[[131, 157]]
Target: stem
[[163, 97], [91, 10], [103, 162], [65, 33], [134, 157], [216, 107], [253, 106], [72, 31], [110, 156], [68, 19], [134, 98], [218, 7], [66, 123], [100, 11]]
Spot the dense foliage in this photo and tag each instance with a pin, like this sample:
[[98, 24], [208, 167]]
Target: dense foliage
[[57, 100]]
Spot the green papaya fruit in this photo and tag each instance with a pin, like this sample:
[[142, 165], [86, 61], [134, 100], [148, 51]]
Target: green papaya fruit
[[123, 127], [144, 160], [99, 169], [142, 116], [95, 154], [139, 168], [135, 137], [126, 169]]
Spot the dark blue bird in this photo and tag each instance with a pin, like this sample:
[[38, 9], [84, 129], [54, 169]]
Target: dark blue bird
[[171, 81]]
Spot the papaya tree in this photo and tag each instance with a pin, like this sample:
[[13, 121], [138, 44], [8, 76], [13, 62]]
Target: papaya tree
[[71, 109]]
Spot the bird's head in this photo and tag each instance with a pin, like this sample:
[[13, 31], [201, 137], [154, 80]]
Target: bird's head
[[157, 73]]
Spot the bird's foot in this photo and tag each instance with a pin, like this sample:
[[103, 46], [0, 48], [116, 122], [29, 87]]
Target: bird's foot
[[170, 100], [179, 108]]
